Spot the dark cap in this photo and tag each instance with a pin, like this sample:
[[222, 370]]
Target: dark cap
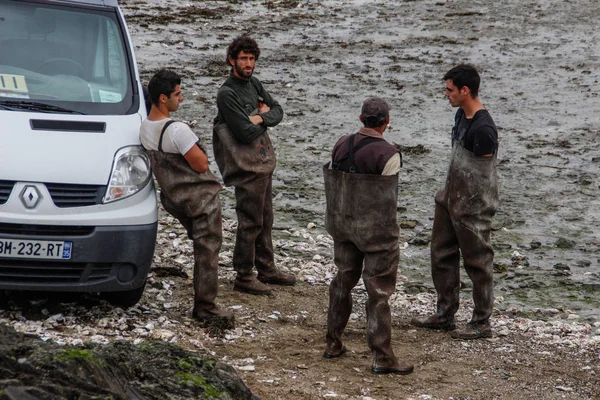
[[374, 107]]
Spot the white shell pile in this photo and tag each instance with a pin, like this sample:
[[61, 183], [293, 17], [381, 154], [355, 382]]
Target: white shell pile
[[102, 323]]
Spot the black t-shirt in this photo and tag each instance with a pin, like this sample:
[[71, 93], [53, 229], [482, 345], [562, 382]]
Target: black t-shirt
[[478, 134]]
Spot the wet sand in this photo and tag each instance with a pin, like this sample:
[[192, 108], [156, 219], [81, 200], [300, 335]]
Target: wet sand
[[539, 66]]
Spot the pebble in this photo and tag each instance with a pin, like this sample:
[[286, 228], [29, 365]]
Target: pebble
[[563, 388], [77, 324]]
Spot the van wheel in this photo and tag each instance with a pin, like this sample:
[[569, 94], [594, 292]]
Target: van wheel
[[124, 299]]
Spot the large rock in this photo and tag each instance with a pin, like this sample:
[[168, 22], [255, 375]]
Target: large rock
[[31, 369]]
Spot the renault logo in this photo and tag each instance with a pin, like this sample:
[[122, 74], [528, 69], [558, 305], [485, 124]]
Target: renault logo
[[30, 196]]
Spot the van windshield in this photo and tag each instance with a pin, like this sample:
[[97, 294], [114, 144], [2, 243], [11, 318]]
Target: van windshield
[[66, 57]]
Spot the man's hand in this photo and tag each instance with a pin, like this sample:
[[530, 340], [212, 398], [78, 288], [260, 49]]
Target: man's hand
[[197, 159], [263, 108], [256, 119]]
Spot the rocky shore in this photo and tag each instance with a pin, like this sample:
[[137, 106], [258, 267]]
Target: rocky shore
[[277, 343], [320, 59]]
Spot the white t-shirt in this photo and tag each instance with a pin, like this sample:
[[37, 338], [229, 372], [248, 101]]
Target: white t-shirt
[[178, 137]]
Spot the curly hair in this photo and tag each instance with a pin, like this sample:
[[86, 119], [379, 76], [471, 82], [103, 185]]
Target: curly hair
[[242, 43]]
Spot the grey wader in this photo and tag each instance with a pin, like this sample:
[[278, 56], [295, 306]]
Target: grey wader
[[462, 225], [249, 168], [193, 198], [361, 218]]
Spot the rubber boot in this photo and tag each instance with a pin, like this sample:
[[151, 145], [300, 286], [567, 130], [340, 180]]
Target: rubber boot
[[463, 217], [206, 234], [435, 321], [445, 271], [361, 218], [248, 283], [254, 244], [264, 259], [473, 330], [348, 260], [391, 365], [379, 275]]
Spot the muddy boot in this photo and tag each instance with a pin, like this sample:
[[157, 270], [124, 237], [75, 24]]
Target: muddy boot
[[348, 260], [249, 284], [391, 365], [249, 208], [435, 321], [445, 271], [277, 278], [473, 330], [379, 276], [463, 218], [215, 317], [332, 352], [263, 256]]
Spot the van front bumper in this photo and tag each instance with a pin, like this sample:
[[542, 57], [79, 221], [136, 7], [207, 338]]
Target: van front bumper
[[103, 259]]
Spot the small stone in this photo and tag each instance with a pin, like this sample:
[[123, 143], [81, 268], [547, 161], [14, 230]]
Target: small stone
[[563, 388], [408, 224], [563, 243]]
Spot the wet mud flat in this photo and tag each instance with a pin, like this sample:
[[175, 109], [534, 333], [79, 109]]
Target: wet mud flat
[[539, 63]]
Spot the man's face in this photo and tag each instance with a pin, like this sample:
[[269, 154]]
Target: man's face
[[243, 66], [455, 96], [175, 99]]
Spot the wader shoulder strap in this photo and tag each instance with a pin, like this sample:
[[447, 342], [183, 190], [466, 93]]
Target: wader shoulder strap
[[342, 162], [169, 122], [351, 153]]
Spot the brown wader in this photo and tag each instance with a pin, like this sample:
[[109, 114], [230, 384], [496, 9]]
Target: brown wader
[[253, 243], [462, 225], [193, 198], [249, 168], [361, 218]]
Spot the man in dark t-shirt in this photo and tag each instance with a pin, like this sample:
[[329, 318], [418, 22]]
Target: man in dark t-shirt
[[463, 212]]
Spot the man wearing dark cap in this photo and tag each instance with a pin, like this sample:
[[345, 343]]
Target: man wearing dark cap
[[361, 189]]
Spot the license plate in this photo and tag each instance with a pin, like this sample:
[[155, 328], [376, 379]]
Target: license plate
[[40, 249]]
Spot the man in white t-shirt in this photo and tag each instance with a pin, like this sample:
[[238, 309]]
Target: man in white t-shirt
[[189, 190]]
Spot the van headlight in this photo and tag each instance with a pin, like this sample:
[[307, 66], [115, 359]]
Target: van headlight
[[130, 173]]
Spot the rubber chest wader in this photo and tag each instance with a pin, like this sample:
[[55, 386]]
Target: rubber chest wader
[[193, 198], [462, 225], [361, 218], [249, 168]]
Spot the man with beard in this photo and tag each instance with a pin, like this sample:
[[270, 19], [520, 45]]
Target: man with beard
[[361, 190], [246, 159], [463, 212], [189, 190]]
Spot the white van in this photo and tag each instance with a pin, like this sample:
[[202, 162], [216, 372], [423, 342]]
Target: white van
[[78, 210]]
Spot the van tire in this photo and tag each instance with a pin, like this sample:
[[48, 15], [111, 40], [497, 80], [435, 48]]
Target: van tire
[[126, 298]]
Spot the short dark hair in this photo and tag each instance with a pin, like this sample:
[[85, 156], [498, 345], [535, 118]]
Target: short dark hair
[[163, 82], [242, 43], [464, 75], [374, 122]]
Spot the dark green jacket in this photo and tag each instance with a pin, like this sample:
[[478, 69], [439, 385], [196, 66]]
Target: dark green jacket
[[237, 99]]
